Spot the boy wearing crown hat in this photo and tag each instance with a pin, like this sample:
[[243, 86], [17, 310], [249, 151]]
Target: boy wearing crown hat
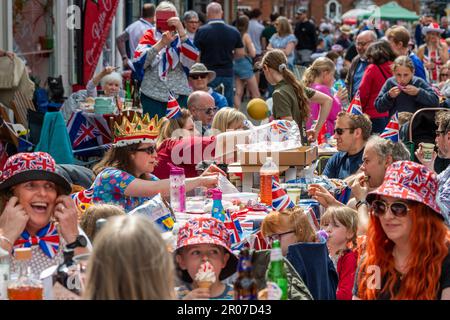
[[124, 175]]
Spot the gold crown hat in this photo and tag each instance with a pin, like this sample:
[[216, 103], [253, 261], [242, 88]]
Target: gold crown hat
[[139, 130]]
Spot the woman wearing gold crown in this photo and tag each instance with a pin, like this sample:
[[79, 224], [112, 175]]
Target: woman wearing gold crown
[[124, 174]]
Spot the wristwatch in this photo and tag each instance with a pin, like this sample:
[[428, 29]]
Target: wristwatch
[[81, 241]]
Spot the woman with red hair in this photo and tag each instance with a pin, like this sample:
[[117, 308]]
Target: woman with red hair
[[407, 252]]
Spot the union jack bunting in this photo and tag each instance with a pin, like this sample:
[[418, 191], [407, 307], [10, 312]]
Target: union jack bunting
[[254, 241], [280, 128], [47, 238], [280, 199], [355, 105], [173, 108], [168, 58], [392, 129]]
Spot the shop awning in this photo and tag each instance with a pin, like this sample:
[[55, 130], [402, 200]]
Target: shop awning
[[391, 11]]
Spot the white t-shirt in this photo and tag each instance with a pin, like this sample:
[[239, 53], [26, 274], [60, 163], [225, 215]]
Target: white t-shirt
[[135, 32]]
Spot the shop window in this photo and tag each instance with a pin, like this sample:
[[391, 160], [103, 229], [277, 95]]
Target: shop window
[[33, 36]]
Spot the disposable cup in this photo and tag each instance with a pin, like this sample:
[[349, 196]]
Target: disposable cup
[[427, 149]]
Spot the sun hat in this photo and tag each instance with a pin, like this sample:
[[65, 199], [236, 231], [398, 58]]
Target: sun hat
[[31, 166], [409, 181], [301, 10], [432, 27], [346, 29], [200, 68], [205, 230]]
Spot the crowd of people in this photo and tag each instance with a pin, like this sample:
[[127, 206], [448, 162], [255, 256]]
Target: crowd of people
[[332, 81]]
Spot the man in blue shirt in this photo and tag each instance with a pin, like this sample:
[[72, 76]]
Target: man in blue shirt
[[219, 45], [199, 77], [351, 132], [398, 38], [359, 63]]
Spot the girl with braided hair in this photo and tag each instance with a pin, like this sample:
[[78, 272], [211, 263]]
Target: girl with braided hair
[[291, 98]]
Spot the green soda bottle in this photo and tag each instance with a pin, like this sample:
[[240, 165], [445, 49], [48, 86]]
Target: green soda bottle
[[277, 283], [128, 100]]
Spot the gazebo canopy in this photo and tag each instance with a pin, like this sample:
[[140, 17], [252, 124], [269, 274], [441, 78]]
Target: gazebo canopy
[[391, 11]]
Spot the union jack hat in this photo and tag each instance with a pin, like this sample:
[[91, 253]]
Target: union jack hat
[[410, 181], [31, 166], [206, 230], [432, 27]]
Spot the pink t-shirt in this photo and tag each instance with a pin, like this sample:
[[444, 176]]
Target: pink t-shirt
[[315, 108]]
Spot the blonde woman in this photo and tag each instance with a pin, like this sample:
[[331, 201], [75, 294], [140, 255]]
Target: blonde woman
[[284, 40], [243, 67], [130, 261], [434, 53], [320, 77], [182, 126], [228, 119]]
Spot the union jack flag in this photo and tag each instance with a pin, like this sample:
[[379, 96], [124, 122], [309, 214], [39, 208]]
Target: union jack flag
[[355, 105], [173, 108], [47, 238], [392, 129], [280, 199], [233, 226], [168, 58], [88, 131]]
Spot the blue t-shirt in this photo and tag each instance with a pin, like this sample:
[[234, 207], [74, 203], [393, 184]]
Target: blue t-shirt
[[341, 165], [278, 42], [216, 42], [219, 100], [419, 70]]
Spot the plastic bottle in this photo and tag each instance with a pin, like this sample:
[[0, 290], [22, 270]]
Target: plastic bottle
[[66, 271], [217, 210], [5, 263], [277, 282], [245, 286], [177, 189], [27, 286], [128, 105], [268, 171]]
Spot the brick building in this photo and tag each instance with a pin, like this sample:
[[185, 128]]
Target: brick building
[[318, 8]]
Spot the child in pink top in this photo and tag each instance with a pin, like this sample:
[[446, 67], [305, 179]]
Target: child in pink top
[[320, 76]]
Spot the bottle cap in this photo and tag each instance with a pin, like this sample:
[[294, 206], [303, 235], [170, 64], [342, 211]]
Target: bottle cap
[[176, 170], [216, 194], [22, 253]]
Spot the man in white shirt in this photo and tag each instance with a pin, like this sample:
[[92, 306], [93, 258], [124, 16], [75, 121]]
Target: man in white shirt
[[134, 32]]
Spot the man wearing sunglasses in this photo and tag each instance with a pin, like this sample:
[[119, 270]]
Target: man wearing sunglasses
[[202, 107], [443, 144], [351, 132], [200, 77]]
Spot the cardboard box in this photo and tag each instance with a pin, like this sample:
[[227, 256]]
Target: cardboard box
[[302, 156]]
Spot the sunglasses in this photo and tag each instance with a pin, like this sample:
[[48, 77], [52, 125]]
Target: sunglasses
[[379, 208], [198, 76], [277, 236], [209, 110], [340, 131], [149, 150]]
